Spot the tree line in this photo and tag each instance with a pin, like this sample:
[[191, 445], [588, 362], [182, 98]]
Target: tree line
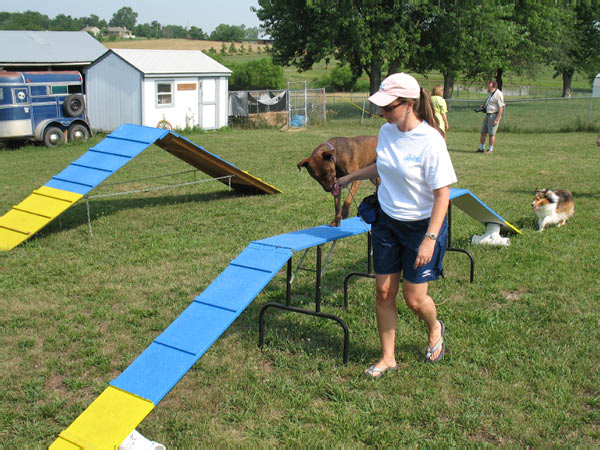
[[467, 38], [124, 17]]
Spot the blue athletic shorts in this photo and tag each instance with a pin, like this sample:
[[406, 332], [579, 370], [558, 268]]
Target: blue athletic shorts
[[395, 247]]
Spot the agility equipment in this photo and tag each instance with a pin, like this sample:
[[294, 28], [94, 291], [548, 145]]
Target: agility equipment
[[469, 203], [99, 163], [133, 394]]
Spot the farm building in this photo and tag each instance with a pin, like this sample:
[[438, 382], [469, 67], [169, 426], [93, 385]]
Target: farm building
[[157, 88], [48, 50]]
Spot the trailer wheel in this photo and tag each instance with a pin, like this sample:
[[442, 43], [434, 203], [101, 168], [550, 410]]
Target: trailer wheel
[[73, 105], [54, 136], [78, 133]]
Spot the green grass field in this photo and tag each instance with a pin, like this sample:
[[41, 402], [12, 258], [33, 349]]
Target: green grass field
[[521, 366]]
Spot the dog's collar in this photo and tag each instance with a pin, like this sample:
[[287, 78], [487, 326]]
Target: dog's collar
[[332, 148]]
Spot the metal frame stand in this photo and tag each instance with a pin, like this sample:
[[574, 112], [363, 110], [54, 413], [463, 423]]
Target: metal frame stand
[[460, 250], [320, 269]]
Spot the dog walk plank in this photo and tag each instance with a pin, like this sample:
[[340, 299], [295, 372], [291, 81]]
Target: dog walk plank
[[236, 287], [154, 372], [196, 328], [106, 422], [311, 237]]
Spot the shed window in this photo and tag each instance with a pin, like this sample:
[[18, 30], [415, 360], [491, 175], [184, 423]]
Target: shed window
[[164, 93]]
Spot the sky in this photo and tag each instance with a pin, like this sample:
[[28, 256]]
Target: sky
[[204, 14]]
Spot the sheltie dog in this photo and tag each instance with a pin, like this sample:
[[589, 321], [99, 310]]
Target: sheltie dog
[[552, 207]]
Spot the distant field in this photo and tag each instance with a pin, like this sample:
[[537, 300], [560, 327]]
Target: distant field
[[544, 78], [176, 44]]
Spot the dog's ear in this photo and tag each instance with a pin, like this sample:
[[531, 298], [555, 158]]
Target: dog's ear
[[328, 155], [301, 164]]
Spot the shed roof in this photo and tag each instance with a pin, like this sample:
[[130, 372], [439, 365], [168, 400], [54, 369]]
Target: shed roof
[[166, 62], [22, 47]]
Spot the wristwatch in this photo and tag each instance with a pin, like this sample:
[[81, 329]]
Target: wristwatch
[[431, 236]]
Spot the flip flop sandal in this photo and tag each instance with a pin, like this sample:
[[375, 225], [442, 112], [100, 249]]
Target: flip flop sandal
[[441, 342], [375, 373]]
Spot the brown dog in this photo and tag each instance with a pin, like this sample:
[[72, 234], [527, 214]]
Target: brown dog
[[335, 158]]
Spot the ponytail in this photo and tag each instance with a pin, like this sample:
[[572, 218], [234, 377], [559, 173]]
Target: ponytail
[[424, 111]]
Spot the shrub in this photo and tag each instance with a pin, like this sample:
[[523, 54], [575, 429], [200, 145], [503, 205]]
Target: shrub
[[340, 79], [257, 74]]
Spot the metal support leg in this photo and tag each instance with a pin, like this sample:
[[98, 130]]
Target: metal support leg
[[368, 274], [316, 313], [261, 326], [449, 248]]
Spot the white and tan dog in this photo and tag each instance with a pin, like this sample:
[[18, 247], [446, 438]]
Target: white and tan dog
[[552, 207]]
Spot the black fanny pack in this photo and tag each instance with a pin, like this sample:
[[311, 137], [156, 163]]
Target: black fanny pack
[[368, 208]]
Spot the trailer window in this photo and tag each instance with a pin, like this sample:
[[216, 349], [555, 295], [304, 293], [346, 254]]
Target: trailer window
[[38, 91], [75, 89], [164, 93], [59, 89]]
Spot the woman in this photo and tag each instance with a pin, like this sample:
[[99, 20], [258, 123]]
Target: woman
[[440, 108], [410, 234]]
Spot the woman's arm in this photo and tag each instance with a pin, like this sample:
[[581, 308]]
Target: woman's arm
[[441, 198], [365, 173]]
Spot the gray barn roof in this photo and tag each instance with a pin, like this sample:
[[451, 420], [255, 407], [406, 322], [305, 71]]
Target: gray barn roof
[[43, 48]]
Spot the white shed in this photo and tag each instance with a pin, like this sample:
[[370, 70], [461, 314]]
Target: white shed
[[180, 88]]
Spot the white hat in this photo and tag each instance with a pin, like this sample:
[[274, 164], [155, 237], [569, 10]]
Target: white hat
[[396, 85]]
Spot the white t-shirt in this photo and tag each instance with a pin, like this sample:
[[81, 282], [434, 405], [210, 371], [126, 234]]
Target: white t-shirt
[[494, 102], [411, 165]]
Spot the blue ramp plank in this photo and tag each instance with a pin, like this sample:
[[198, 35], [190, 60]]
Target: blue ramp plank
[[196, 328], [155, 372], [236, 287], [262, 257], [139, 133], [311, 237]]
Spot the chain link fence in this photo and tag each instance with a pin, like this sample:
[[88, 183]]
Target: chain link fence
[[557, 114], [523, 113]]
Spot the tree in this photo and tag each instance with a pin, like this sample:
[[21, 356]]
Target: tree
[[174, 32], [94, 21], [251, 34], [462, 38], [369, 36], [228, 33], [64, 23], [579, 48], [124, 17], [197, 33], [29, 20], [145, 30], [256, 74]]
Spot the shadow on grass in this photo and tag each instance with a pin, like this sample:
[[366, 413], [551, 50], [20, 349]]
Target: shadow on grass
[[77, 215]]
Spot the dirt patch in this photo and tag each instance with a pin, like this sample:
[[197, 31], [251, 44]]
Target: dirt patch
[[262, 120]]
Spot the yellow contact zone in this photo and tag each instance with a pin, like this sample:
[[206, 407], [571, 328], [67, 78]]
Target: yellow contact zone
[[33, 214], [513, 227], [106, 422]]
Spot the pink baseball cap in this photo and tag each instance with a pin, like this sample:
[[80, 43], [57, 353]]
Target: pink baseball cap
[[396, 85]]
